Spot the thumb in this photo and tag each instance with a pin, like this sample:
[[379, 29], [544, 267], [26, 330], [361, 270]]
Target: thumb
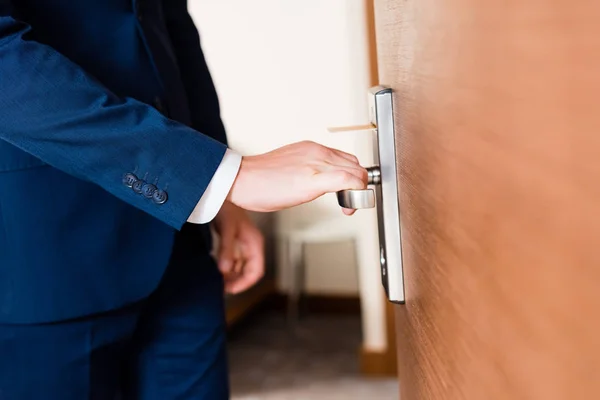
[[227, 251]]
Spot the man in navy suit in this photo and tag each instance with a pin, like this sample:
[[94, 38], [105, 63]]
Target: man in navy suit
[[113, 160]]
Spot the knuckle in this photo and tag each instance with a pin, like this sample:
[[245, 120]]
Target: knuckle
[[308, 170], [318, 150], [364, 175], [346, 177], [324, 152], [307, 143]]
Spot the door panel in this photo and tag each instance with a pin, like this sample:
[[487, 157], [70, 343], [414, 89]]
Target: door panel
[[498, 132]]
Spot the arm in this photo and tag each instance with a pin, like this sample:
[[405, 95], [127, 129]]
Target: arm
[[283, 178], [203, 103], [202, 96], [50, 108]]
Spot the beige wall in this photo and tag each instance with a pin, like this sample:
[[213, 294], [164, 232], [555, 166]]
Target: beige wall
[[285, 71]]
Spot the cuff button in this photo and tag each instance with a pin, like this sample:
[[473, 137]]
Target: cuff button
[[159, 196], [137, 186], [148, 190], [129, 179]]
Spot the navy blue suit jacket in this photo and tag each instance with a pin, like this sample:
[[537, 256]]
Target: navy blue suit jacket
[[89, 92]]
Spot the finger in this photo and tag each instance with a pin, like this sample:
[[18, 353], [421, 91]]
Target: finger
[[348, 211], [233, 286], [240, 284], [238, 267], [336, 180], [252, 246], [245, 281], [229, 284], [238, 258], [342, 159], [346, 156], [359, 171], [255, 267], [229, 277], [227, 251]]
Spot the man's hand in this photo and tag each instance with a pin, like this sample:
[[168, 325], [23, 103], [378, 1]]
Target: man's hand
[[293, 175], [241, 249]]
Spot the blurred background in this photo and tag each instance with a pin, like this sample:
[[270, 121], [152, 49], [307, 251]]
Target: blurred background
[[286, 72], [495, 105]]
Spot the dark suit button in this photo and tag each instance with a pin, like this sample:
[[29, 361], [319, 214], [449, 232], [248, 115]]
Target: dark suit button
[[148, 190], [137, 186], [129, 179], [160, 196]]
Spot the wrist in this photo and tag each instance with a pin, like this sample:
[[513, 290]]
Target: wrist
[[234, 193]]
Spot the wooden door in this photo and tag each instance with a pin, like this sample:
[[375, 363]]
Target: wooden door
[[497, 107]]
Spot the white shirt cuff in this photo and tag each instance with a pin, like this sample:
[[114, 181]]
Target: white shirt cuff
[[217, 190]]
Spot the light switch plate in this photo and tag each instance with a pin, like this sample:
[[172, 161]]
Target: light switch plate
[[388, 205]]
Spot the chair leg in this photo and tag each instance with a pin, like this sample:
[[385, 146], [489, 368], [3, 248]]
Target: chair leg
[[296, 267]]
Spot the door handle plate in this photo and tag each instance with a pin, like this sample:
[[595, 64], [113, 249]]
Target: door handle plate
[[381, 112]]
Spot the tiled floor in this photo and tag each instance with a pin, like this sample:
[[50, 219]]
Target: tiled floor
[[317, 362]]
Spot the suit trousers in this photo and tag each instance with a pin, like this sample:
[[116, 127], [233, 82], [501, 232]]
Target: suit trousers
[[171, 345]]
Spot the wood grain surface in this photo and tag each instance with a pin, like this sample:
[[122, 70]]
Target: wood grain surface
[[498, 130]]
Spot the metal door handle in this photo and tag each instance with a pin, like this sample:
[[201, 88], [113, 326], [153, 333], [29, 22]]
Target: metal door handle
[[356, 199]]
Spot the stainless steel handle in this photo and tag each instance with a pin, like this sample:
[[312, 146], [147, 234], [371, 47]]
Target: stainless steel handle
[[356, 199]]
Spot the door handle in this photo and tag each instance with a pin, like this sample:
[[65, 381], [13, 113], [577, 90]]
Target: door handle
[[357, 199], [384, 195]]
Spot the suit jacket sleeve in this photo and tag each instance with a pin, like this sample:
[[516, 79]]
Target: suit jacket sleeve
[[202, 96], [52, 109]]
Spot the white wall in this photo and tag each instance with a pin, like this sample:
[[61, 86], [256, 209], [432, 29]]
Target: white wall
[[285, 71]]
